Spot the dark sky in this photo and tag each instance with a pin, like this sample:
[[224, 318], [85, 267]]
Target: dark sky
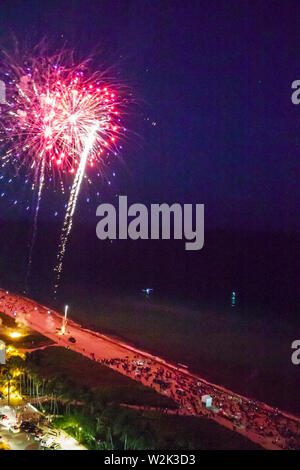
[[215, 76]]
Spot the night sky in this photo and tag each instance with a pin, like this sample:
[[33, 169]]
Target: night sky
[[214, 122]]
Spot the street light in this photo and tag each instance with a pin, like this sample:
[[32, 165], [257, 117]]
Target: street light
[[64, 324]]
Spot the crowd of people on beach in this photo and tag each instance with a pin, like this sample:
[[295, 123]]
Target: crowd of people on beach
[[243, 414]]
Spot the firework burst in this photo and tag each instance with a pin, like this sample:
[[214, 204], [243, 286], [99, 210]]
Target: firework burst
[[58, 121]]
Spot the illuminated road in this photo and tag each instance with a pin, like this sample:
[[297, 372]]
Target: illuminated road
[[19, 441], [262, 424]]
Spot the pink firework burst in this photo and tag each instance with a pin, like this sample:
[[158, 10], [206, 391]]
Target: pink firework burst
[[50, 111]]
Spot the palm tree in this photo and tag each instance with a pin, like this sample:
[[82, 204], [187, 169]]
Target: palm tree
[[6, 379], [16, 363]]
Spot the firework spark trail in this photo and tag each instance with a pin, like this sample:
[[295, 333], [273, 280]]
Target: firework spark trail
[[36, 213], [68, 221]]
